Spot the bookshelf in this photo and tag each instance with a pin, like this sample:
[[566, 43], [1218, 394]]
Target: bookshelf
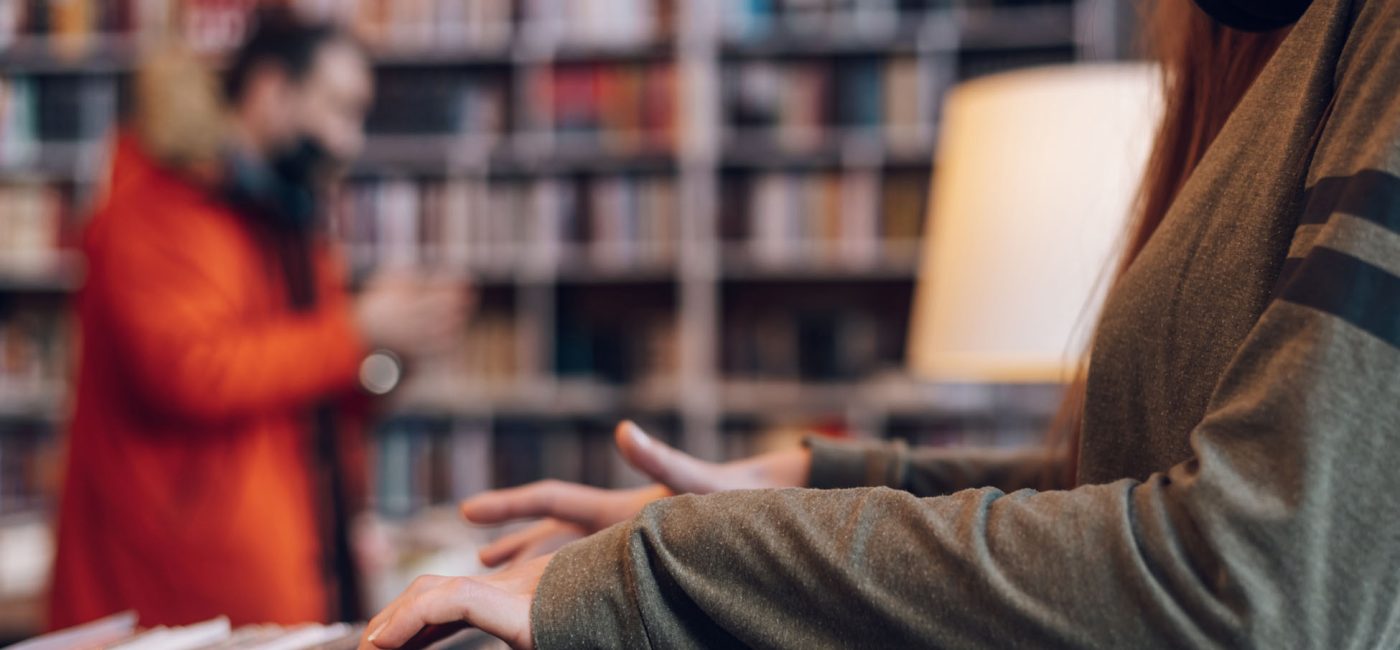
[[703, 214]]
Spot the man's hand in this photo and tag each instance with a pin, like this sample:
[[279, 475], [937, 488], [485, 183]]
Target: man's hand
[[411, 314]]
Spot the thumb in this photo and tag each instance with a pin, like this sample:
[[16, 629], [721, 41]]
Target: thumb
[[665, 464]]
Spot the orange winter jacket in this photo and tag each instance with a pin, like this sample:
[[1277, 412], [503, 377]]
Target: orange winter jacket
[[188, 491]]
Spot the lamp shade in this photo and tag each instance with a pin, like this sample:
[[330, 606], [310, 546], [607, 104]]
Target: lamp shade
[[1034, 178]]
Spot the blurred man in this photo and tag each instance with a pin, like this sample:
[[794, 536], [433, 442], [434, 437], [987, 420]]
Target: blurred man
[[209, 469]]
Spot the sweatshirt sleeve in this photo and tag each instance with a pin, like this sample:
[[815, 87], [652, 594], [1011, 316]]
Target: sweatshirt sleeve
[[1278, 531], [173, 291], [927, 471], [1276, 534]]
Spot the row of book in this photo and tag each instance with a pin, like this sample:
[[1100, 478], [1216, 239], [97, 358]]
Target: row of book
[[797, 105], [423, 462], [498, 359], [75, 27], [426, 461], [438, 25], [815, 343], [621, 108], [823, 336], [852, 218], [477, 24], [70, 25], [623, 337], [438, 102], [759, 19], [613, 221], [840, 330], [485, 363]]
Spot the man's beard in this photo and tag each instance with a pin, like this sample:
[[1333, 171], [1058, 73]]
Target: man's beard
[[286, 188]]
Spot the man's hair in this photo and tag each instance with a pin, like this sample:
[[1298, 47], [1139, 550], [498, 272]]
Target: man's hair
[[282, 38]]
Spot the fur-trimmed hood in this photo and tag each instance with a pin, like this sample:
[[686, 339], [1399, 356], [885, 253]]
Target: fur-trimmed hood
[[178, 111]]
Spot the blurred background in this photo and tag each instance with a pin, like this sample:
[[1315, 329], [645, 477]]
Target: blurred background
[[704, 215]]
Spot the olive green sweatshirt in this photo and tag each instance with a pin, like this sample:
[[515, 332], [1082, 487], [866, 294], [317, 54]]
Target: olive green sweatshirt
[[1238, 461]]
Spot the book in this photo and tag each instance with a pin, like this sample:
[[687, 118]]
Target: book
[[100, 633]]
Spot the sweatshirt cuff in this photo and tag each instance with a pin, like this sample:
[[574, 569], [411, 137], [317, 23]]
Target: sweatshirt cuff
[[840, 464], [582, 601]]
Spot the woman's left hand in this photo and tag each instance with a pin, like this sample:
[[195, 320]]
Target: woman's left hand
[[498, 604]]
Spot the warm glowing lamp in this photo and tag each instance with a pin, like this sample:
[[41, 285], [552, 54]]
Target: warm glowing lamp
[[1035, 174]]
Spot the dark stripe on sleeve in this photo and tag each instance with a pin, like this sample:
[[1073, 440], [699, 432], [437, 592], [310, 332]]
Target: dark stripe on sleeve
[[1353, 290], [1290, 266], [1370, 194]]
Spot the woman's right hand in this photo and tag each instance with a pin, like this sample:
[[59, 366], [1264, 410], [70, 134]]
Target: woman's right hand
[[572, 511]]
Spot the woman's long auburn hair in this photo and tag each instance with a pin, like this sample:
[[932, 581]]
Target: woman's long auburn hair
[[1206, 69]]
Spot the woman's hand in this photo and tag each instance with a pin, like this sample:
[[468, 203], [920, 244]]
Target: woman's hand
[[573, 511], [686, 474], [588, 508], [497, 604]]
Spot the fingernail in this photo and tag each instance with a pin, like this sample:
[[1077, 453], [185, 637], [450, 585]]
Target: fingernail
[[376, 632], [635, 432]]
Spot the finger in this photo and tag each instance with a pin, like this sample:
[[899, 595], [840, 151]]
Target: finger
[[459, 600], [669, 466], [413, 611], [504, 549], [378, 622], [373, 626], [567, 501]]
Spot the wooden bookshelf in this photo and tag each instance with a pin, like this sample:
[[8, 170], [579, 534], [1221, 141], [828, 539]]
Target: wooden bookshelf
[[578, 330], [547, 281]]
